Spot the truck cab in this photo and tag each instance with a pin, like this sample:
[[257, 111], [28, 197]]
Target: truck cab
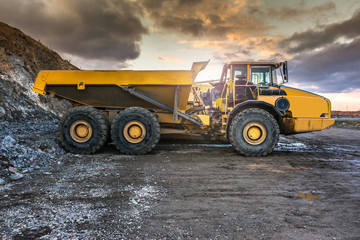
[[261, 84]]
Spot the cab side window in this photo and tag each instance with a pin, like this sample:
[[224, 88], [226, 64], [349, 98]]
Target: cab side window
[[239, 73]]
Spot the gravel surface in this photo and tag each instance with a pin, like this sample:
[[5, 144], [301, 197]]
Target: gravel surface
[[308, 188]]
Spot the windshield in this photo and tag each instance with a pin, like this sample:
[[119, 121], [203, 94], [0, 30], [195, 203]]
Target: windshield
[[261, 75]]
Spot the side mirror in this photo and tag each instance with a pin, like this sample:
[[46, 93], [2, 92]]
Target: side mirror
[[285, 72]]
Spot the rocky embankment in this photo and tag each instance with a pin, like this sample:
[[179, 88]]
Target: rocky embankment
[[26, 116], [21, 58]]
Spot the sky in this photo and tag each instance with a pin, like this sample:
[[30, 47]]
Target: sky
[[319, 39]]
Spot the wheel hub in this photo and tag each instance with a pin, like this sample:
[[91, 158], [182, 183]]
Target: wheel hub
[[80, 131], [134, 131], [254, 133]]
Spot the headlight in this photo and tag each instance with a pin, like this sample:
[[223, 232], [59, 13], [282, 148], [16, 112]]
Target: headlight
[[282, 104]]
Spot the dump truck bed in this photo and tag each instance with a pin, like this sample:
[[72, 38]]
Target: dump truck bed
[[104, 89]]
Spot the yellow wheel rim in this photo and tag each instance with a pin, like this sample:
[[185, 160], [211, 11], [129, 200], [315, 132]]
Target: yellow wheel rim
[[80, 131], [134, 132], [254, 133]]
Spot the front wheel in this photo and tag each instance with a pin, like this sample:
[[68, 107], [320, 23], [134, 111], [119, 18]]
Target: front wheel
[[135, 131], [254, 132]]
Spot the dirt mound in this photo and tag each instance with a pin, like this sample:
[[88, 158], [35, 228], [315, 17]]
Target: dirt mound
[[21, 58]]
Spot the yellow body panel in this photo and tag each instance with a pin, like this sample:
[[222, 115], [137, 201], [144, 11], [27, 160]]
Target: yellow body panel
[[310, 112], [302, 106], [166, 93], [305, 104], [205, 119], [168, 118], [54, 77], [121, 77], [299, 125]]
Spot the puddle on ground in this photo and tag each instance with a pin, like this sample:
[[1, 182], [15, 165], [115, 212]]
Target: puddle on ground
[[356, 162], [210, 145], [308, 196], [295, 147], [342, 148]]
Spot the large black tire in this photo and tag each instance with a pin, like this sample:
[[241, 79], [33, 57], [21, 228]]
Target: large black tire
[[135, 131], [83, 130], [254, 132]]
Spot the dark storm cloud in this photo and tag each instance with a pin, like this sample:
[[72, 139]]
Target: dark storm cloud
[[193, 26], [311, 39], [289, 13], [322, 61], [151, 4], [212, 19], [335, 68], [215, 19], [92, 29], [169, 14], [189, 2]]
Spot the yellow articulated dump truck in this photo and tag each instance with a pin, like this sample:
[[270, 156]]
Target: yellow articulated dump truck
[[249, 106]]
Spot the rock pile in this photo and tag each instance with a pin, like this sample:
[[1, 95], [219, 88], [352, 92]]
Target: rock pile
[[21, 58], [25, 147], [27, 120]]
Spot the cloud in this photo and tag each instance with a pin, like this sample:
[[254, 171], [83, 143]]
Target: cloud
[[209, 19], [292, 13], [232, 29], [348, 101], [171, 59], [311, 39], [98, 64], [322, 61], [90, 29], [223, 51], [194, 26], [333, 69]]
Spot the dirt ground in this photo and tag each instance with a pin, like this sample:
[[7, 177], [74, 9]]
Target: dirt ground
[[308, 188]]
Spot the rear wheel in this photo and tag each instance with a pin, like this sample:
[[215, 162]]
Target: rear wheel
[[135, 131], [83, 130], [254, 132]]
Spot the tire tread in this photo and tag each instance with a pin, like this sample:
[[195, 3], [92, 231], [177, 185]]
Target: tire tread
[[155, 131], [92, 112], [239, 117]]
